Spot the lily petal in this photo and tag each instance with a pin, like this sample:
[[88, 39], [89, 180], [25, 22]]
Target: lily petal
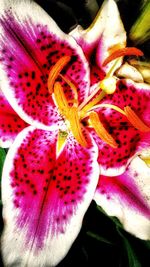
[[129, 72], [128, 198], [105, 35], [30, 45], [10, 123], [130, 141], [45, 197]]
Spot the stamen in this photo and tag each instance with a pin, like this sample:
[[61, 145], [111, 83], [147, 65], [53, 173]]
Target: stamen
[[91, 104], [55, 71], [70, 113], [60, 98], [110, 106], [72, 86], [101, 131], [135, 120], [90, 97], [76, 127], [127, 51], [112, 69], [108, 85]]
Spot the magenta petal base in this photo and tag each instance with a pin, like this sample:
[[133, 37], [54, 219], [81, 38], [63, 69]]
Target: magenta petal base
[[45, 196]]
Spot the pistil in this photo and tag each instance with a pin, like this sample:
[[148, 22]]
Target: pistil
[[90, 105], [107, 86], [74, 113]]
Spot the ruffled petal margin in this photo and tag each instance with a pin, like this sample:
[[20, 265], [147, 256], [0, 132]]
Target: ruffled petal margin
[[127, 197], [45, 197], [104, 36], [30, 45]]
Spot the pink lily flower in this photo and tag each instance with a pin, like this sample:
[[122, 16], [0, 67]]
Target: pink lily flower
[[52, 168], [48, 175], [121, 192]]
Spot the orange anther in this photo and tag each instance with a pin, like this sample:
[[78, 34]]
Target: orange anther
[[101, 131], [127, 51], [76, 127], [60, 98], [72, 86], [135, 120], [70, 113], [55, 70]]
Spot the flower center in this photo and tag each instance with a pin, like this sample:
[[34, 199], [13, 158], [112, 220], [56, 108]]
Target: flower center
[[70, 114], [73, 113]]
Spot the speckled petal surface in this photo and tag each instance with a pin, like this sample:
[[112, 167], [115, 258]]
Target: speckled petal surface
[[10, 123], [130, 140], [30, 44], [45, 197], [128, 198]]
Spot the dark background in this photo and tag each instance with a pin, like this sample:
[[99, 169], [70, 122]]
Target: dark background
[[102, 242], [69, 13]]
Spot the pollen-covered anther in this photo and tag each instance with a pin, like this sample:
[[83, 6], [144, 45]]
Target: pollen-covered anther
[[70, 114], [126, 51], [55, 71], [60, 99], [76, 126], [101, 131], [135, 120], [108, 85], [73, 88]]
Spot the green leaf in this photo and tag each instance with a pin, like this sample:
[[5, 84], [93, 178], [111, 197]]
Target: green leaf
[[140, 31], [2, 159], [132, 257], [146, 244], [99, 238]]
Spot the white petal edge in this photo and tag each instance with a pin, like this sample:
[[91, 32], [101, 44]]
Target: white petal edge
[[29, 9], [133, 222], [129, 72], [108, 26], [10, 245]]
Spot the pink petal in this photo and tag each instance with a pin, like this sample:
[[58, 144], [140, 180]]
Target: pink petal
[[127, 197], [30, 44], [130, 140], [10, 123], [45, 197], [98, 41]]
